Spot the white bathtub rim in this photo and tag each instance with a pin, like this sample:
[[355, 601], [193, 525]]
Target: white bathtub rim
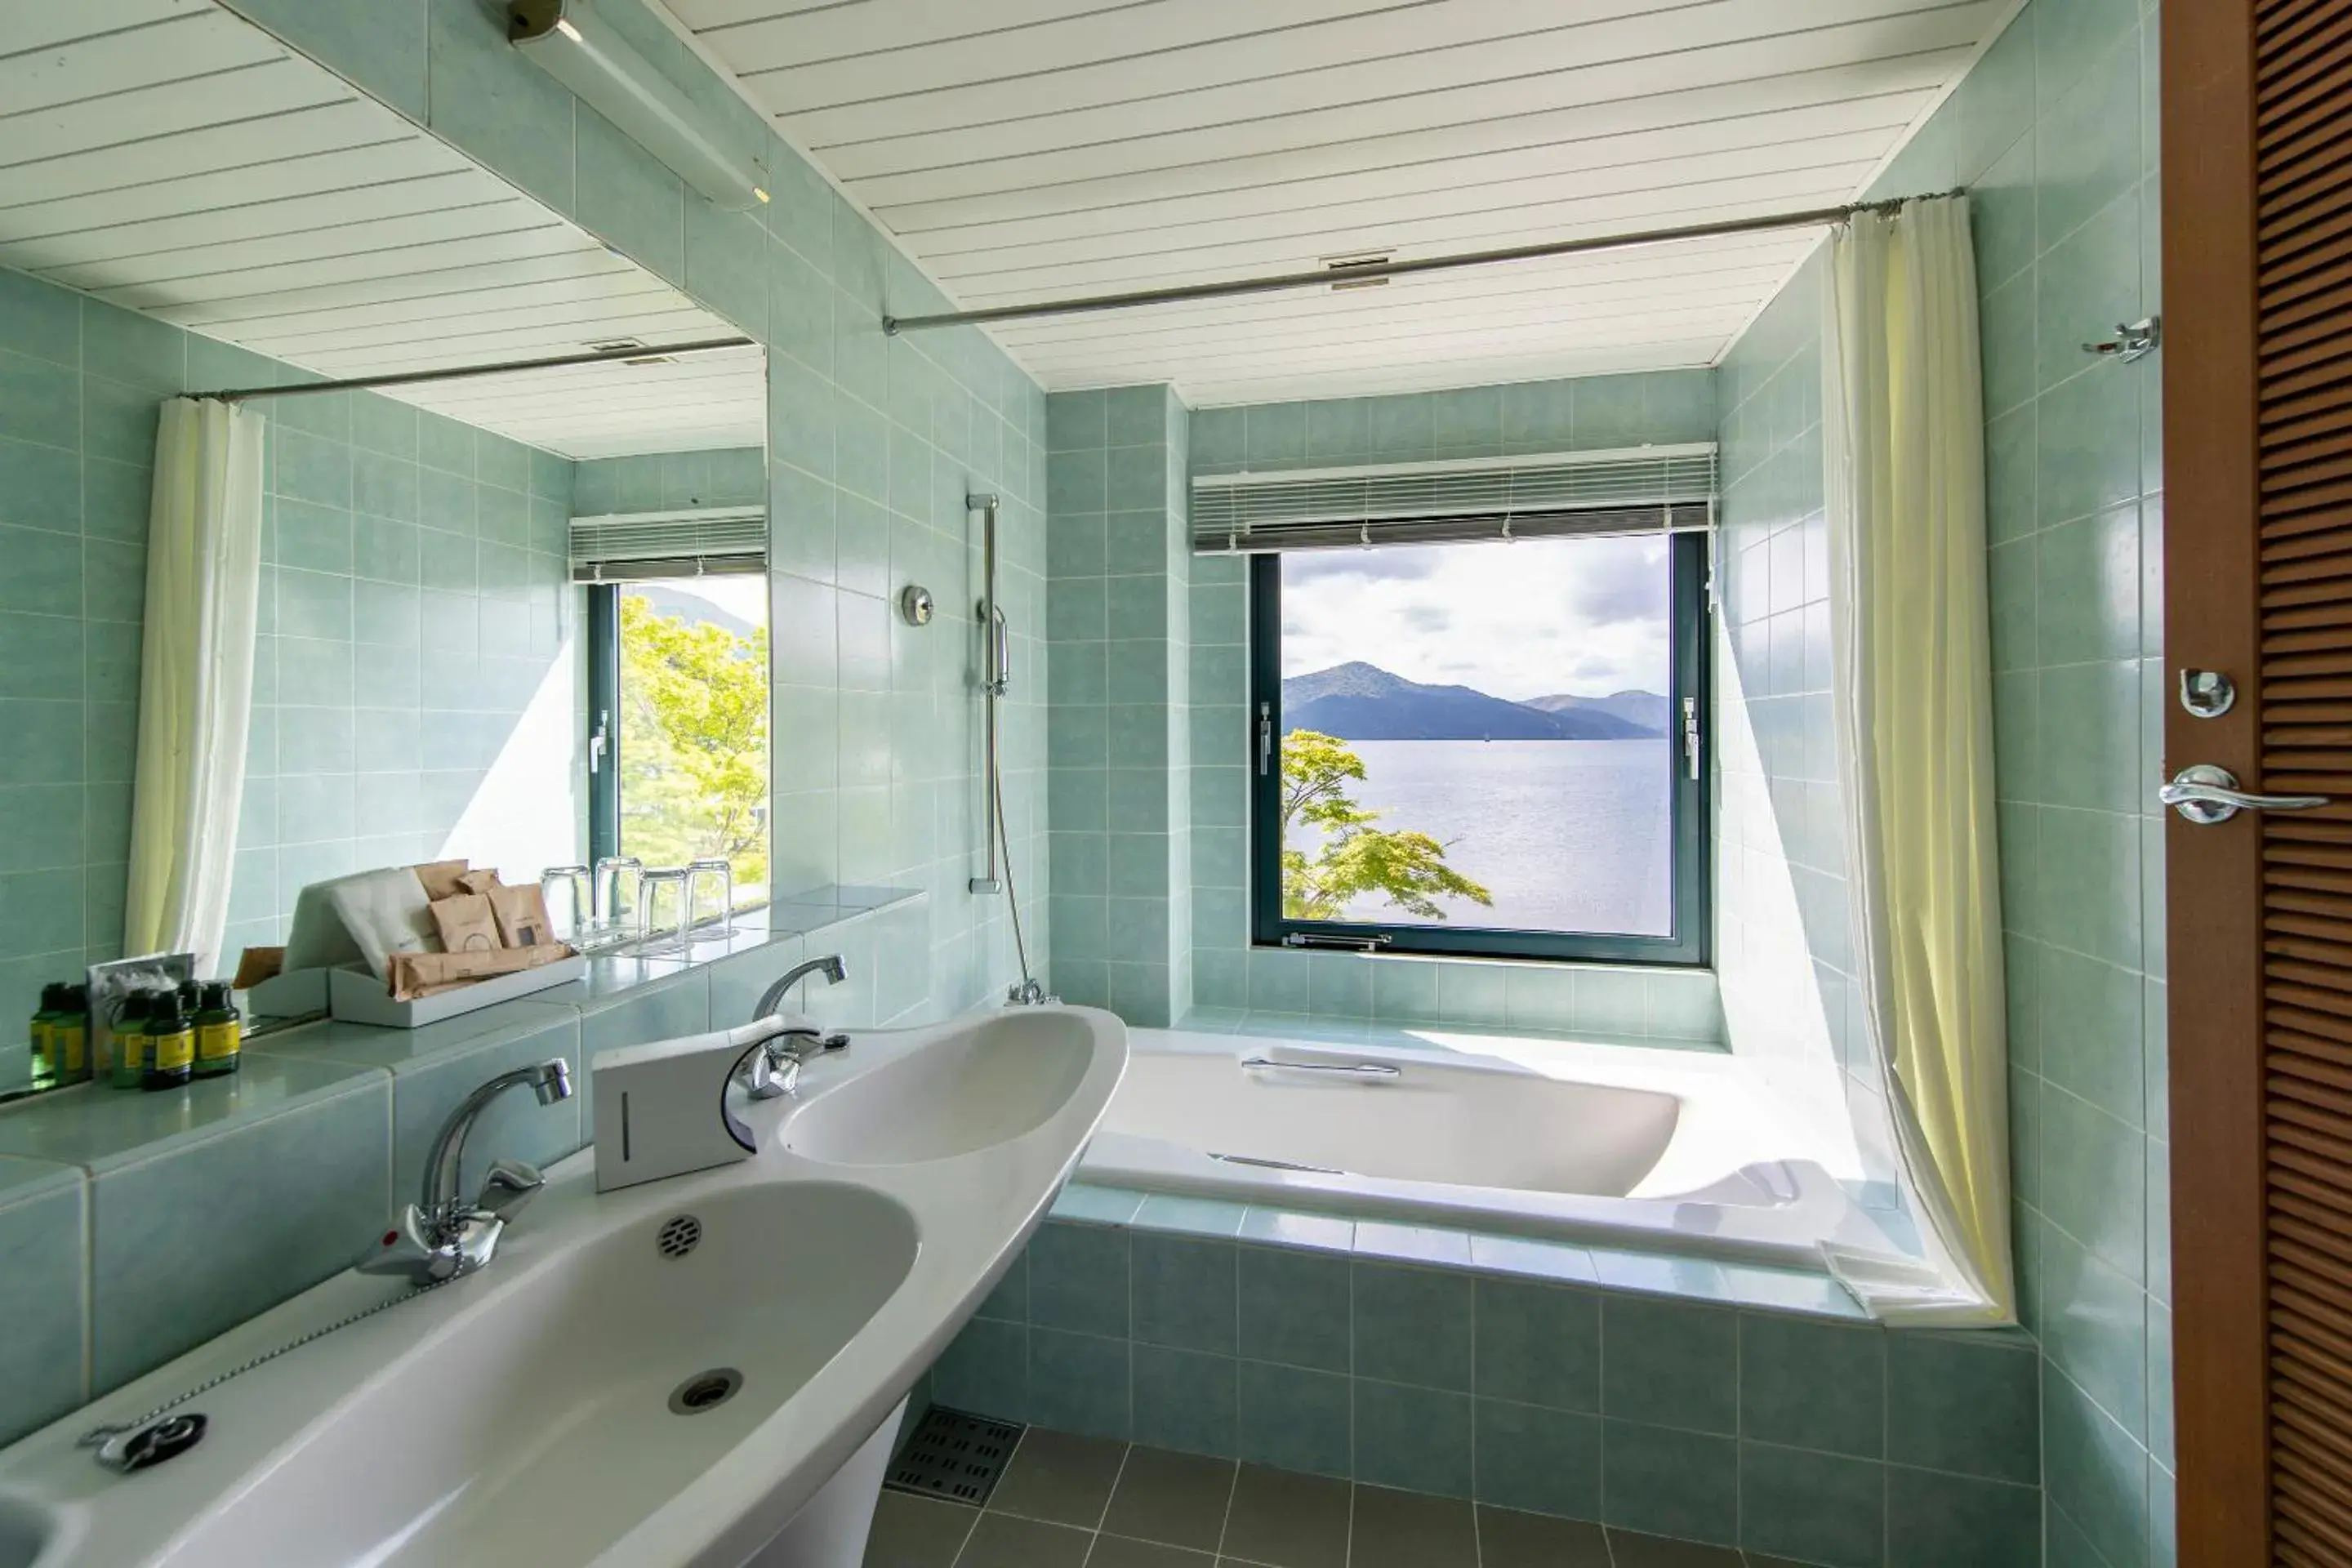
[[1703, 1200]]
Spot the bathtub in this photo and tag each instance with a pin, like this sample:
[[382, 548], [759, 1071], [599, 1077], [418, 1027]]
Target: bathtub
[[1653, 1149]]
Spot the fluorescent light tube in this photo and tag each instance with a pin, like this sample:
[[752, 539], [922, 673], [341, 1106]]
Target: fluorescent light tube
[[578, 49]]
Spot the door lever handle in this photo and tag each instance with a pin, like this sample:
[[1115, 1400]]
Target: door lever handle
[[2205, 795]]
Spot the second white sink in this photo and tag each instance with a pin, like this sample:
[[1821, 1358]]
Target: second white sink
[[979, 1088]]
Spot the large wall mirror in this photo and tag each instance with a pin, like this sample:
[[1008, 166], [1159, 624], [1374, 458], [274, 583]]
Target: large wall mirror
[[500, 609]]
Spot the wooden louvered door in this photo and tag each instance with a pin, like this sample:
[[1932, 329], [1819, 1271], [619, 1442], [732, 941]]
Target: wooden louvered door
[[2257, 160]]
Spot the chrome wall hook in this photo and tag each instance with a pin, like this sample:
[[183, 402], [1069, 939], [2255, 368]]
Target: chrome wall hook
[[2133, 340], [2207, 693]]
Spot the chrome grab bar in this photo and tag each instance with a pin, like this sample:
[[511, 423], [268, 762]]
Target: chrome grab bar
[[1345, 1069]]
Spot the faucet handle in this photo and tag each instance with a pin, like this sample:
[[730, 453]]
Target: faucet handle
[[508, 1187], [772, 1075], [410, 1249]]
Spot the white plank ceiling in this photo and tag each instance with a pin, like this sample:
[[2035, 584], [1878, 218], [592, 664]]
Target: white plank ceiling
[[167, 156], [1029, 149]]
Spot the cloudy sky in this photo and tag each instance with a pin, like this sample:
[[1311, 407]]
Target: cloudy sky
[[1521, 620]]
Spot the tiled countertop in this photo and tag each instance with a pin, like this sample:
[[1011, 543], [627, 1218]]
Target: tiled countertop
[[100, 1127], [138, 1225]]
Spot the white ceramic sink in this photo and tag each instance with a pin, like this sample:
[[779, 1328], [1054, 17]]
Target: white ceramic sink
[[523, 1416], [989, 1086]]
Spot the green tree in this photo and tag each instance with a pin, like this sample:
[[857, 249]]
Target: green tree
[[694, 741], [1356, 858]]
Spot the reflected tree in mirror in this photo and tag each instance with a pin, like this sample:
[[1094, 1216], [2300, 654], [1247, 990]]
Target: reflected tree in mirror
[[1353, 859], [694, 734]]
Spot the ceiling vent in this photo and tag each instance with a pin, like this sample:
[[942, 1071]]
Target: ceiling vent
[[624, 345], [1339, 266]]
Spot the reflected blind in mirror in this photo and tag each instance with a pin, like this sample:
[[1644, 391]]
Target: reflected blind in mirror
[[690, 542]]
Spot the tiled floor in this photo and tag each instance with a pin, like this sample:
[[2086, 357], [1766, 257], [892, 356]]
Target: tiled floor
[[1085, 1502]]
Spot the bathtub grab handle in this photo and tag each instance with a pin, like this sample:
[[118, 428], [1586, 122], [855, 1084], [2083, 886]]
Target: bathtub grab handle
[[1344, 1070]]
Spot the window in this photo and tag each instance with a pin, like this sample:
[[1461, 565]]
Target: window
[[1480, 749], [679, 689]]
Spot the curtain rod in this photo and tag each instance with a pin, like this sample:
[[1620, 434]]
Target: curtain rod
[[1083, 304], [463, 373]]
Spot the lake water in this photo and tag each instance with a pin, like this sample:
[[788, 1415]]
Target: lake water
[[1567, 835]]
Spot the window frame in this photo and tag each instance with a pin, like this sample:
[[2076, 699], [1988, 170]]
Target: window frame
[[1688, 947], [603, 722]]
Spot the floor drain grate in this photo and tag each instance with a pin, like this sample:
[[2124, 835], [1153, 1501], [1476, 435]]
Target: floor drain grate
[[954, 1456]]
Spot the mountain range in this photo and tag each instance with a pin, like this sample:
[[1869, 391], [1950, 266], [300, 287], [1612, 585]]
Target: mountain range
[[1359, 701]]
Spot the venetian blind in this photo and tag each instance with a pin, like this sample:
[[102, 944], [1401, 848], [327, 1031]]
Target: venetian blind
[[1634, 489], [693, 541]]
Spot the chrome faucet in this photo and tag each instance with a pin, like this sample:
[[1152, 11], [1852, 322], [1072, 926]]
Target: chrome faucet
[[774, 1066], [774, 996], [441, 1235]]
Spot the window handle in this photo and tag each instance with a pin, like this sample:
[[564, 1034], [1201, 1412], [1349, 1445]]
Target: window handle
[[1690, 736], [597, 740], [1265, 738]]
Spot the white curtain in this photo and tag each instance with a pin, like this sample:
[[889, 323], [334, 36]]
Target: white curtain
[[1903, 420], [195, 679]]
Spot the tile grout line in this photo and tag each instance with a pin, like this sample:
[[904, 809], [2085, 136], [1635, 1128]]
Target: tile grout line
[[1226, 1523], [1103, 1516]]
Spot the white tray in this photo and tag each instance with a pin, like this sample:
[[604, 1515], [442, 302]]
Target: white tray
[[361, 998]]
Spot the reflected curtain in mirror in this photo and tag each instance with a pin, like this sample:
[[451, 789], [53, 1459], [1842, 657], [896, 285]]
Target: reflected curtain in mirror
[[195, 683], [1912, 687]]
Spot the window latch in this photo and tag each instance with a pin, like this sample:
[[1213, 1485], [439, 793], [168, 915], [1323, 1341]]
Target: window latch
[[1265, 738], [1690, 735], [597, 742]]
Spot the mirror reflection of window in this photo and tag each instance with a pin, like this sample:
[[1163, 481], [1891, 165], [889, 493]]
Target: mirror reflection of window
[[693, 725]]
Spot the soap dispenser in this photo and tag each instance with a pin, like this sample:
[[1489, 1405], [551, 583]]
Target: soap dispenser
[[663, 1109]]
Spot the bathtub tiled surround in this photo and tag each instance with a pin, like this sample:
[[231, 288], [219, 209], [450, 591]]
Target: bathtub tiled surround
[[137, 1225], [1670, 1397], [1118, 564]]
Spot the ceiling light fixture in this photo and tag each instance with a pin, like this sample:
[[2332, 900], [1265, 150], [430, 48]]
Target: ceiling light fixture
[[584, 53]]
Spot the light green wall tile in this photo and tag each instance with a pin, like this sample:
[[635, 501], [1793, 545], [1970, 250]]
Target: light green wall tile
[[44, 1291], [378, 47]]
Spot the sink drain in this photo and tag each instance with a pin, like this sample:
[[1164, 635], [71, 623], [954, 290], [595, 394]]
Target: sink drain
[[680, 1235], [705, 1391]]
